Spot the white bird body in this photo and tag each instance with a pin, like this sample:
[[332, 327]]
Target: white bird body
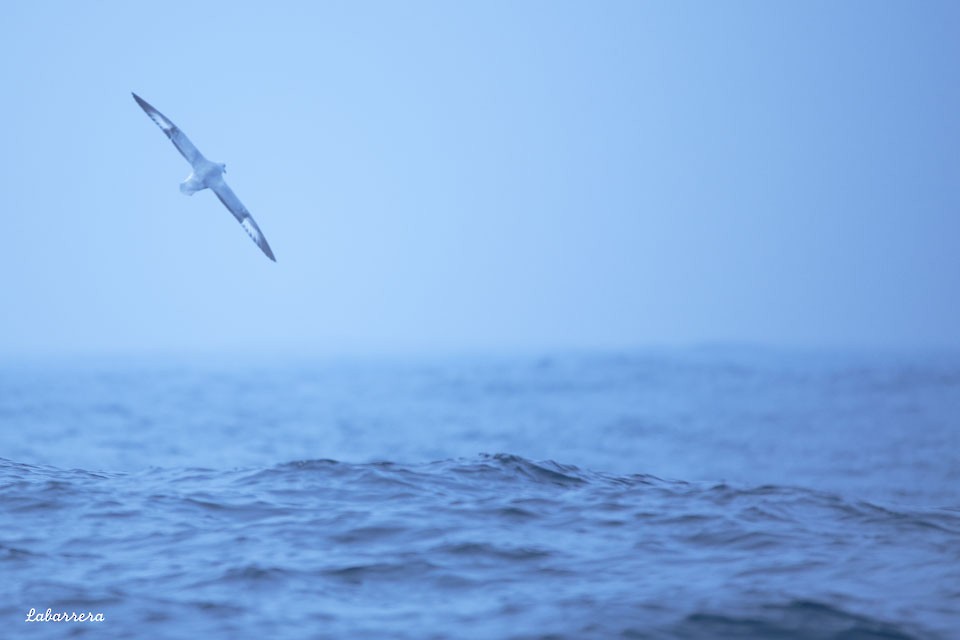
[[206, 175]]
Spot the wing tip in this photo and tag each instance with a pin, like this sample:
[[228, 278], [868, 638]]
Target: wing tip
[[143, 103]]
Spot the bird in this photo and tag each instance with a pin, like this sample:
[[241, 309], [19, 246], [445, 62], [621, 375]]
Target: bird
[[206, 175]]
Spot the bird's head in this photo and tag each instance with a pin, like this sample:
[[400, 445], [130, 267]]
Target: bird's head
[[223, 167]]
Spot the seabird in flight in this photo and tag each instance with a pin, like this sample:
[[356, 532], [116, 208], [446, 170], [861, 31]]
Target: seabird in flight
[[205, 175]]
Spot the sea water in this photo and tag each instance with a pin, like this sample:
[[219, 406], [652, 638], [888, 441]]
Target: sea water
[[688, 493]]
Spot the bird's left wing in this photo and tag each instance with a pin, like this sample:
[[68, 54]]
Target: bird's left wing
[[177, 137], [232, 202]]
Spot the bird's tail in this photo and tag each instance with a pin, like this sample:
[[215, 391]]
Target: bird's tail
[[191, 185]]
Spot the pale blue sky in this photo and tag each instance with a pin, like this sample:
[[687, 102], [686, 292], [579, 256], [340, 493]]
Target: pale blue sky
[[491, 175]]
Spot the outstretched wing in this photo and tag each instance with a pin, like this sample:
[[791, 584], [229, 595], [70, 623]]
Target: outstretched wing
[[177, 137], [232, 202]]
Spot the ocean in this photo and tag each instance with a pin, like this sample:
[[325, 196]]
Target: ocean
[[673, 493]]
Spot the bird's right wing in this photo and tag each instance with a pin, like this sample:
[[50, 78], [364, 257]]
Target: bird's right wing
[[177, 137], [232, 202]]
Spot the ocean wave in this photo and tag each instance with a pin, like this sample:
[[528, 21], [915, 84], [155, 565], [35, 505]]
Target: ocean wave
[[512, 548]]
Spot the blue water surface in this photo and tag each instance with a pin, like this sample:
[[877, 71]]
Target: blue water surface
[[695, 493]]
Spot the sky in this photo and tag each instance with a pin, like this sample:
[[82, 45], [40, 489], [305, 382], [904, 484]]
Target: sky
[[437, 176]]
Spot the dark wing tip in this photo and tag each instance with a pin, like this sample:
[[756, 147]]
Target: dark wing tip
[[267, 250], [143, 103]]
